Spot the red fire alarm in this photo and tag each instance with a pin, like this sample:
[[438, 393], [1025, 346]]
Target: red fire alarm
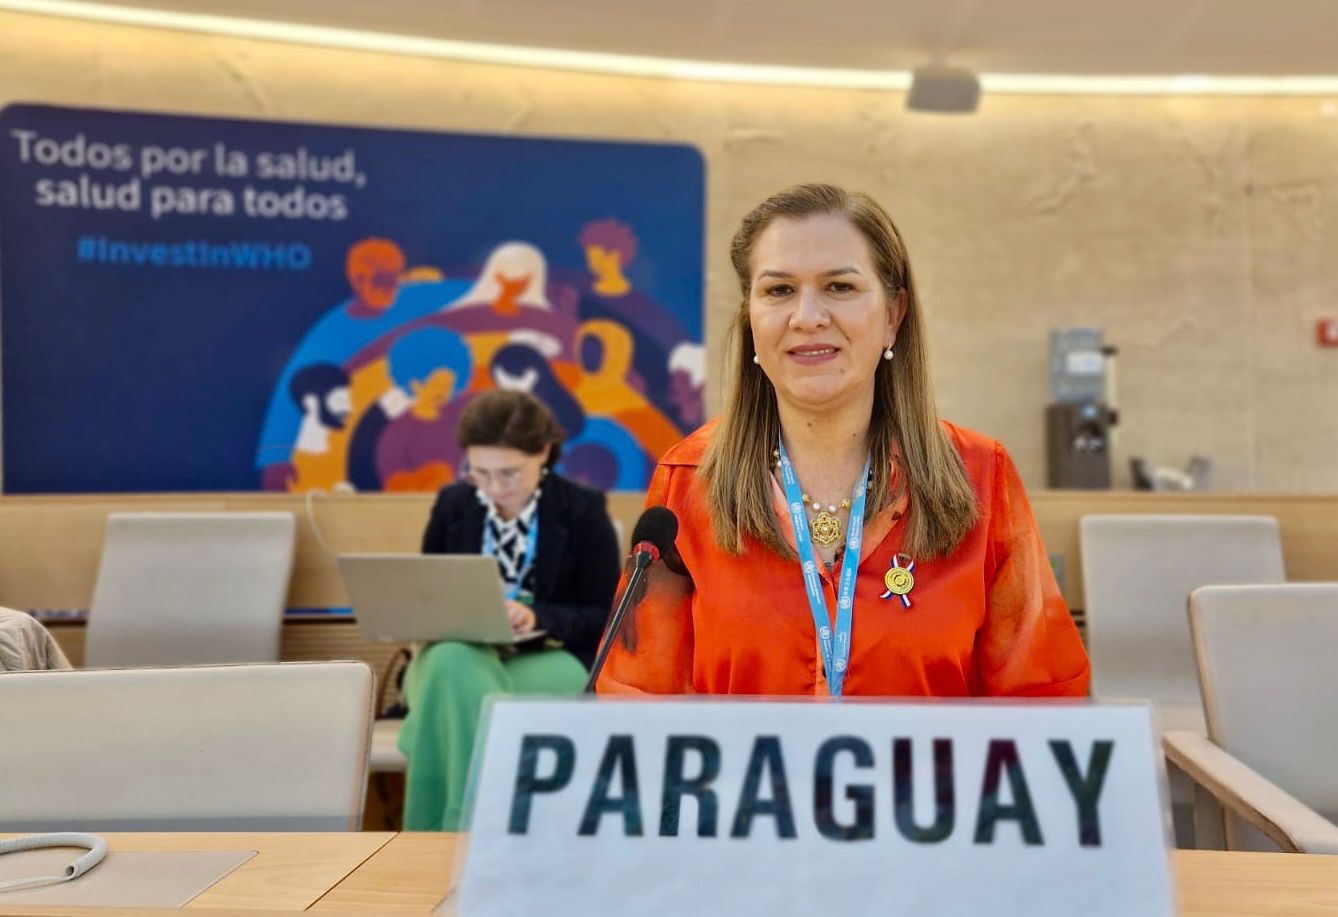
[[1326, 332]]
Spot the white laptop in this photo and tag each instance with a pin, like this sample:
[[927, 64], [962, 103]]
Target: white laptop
[[411, 598]]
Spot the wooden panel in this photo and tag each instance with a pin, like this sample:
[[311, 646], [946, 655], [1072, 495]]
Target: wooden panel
[[625, 510], [313, 640], [330, 524], [71, 637], [51, 545], [1309, 525], [317, 640]]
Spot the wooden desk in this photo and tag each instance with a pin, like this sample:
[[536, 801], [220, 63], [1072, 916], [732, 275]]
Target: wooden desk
[[413, 871], [288, 873], [409, 874], [194, 912], [1256, 884]]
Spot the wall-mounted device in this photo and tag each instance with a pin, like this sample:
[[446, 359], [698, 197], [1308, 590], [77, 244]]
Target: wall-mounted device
[[1080, 419]]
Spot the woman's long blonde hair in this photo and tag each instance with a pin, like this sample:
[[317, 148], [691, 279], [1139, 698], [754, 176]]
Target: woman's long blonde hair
[[737, 466]]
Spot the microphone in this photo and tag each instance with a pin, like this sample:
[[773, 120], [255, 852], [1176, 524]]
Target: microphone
[[652, 540]]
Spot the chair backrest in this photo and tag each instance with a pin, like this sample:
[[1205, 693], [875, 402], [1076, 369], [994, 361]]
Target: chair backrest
[[213, 748], [1138, 572], [1270, 686], [190, 589]]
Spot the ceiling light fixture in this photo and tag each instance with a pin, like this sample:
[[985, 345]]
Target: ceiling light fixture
[[660, 67]]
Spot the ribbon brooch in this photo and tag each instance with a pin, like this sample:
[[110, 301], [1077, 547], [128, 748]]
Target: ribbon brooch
[[900, 579]]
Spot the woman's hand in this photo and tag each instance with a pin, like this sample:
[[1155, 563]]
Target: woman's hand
[[522, 617]]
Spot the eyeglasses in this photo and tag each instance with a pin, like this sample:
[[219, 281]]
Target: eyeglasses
[[502, 477]]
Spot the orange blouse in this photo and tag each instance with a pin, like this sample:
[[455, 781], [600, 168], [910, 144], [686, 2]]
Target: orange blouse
[[986, 620]]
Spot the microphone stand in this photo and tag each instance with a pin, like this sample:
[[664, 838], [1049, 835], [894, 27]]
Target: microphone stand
[[645, 555]]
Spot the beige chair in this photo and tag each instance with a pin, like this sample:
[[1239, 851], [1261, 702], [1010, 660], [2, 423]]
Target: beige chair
[[190, 589], [1270, 691], [25, 645], [210, 748], [1138, 571]]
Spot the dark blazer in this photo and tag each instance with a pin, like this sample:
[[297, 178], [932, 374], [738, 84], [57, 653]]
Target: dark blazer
[[576, 567]]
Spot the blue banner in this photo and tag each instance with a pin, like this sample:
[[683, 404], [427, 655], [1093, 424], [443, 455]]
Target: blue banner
[[215, 304]]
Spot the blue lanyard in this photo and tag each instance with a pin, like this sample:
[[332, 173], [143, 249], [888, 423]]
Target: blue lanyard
[[531, 546], [835, 647]]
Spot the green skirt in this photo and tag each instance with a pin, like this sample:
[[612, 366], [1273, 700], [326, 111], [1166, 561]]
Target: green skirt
[[444, 687]]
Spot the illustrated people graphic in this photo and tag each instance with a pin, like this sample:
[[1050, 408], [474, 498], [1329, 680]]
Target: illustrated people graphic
[[518, 367], [510, 303], [321, 393], [417, 451], [609, 247], [387, 372], [515, 276], [382, 297], [687, 383], [374, 268], [606, 351]]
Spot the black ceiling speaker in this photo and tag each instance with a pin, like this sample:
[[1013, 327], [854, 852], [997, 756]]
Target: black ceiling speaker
[[943, 89]]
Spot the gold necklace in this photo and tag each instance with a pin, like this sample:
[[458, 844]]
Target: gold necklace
[[825, 527]]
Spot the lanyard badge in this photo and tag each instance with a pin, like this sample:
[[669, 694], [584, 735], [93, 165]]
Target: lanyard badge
[[514, 593], [835, 645]]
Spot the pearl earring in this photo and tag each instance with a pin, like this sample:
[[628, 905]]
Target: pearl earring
[[887, 354], [755, 359]]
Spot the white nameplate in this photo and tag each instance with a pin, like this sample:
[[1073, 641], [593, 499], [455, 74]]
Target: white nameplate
[[675, 807]]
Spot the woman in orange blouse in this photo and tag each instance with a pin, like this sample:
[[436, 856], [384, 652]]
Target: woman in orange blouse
[[840, 539]]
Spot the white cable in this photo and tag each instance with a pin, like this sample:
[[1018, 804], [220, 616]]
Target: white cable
[[309, 501], [96, 846]]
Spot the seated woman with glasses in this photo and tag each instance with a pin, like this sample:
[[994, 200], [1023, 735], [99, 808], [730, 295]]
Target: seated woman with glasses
[[557, 555]]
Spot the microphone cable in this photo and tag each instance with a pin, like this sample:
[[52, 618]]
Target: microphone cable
[[96, 847]]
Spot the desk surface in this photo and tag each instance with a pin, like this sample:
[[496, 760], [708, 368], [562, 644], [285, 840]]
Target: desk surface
[[1256, 884], [289, 871], [409, 873], [412, 873]]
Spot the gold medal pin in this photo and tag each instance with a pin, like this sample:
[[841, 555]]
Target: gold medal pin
[[900, 579]]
